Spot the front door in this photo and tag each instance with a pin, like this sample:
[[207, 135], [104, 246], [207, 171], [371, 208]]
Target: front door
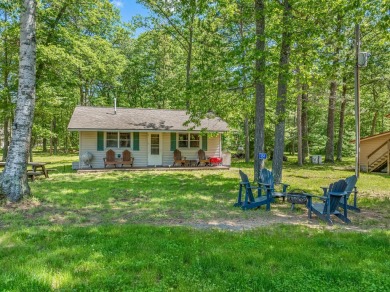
[[155, 149]]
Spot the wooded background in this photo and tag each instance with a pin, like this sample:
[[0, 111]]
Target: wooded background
[[209, 58]]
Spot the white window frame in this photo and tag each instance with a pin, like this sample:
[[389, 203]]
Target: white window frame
[[188, 140], [118, 140]]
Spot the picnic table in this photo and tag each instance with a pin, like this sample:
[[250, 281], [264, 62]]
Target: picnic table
[[38, 168]]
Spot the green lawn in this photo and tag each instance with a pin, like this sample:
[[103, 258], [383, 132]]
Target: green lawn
[[178, 230]]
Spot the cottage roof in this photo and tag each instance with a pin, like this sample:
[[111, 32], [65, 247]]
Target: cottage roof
[[375, 136], [86, 118]]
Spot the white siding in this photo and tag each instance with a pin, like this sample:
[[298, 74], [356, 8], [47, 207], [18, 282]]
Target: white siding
[[368, 146], [88, 143], [213, 149]]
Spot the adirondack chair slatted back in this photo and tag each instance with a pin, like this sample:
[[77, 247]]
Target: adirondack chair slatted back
[[126, 156], [266, 177], [110, 156], [201, 155], [245, 181], [351, 182], [177, 155], [337, 187]]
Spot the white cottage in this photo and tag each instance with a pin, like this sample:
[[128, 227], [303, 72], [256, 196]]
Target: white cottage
[[152, 135]]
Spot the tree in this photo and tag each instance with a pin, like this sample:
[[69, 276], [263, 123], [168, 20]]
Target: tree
[[259, 84], [283, 78], [14, 178]]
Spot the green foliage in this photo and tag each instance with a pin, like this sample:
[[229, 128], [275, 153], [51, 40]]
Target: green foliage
[[87, 56]]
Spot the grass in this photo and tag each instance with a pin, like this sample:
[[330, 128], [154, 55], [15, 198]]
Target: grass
[[153, 231]]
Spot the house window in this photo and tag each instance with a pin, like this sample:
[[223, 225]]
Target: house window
[[189, 140], [194, 140], [113, 139], [183, 140], [124, 140]]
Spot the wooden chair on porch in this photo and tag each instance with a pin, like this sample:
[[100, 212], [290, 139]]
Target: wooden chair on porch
[[110, 158], [127, 159], [202, 158], [177, 159]]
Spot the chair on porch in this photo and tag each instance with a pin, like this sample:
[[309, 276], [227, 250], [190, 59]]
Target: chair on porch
[[335, 193], [127, 159], [110, 158], [266, 182], [249, 201], [177, 159], [202, 158]]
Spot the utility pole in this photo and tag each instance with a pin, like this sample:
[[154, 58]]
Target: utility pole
[[357, 100]]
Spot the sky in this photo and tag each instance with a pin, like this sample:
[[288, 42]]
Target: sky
[[130, 8]]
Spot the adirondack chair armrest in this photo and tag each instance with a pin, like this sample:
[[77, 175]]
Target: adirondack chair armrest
[[285, 186], [337, 194], [325, 189], [314, 196]]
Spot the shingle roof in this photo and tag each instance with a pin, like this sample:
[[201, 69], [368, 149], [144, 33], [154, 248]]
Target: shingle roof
[[375, 136], [87, 118]]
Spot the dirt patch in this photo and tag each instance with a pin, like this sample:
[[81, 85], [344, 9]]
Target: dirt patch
[[33, 212]]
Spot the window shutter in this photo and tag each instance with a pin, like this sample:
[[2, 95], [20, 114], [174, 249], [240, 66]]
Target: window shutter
[[136, 141], [204, 142], [100, 141], [173, 141]]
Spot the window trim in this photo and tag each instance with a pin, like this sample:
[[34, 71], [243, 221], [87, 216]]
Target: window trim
[[118, 140], [188, 140]]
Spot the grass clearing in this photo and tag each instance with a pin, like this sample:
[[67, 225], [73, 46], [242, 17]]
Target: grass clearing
[[159, 230]]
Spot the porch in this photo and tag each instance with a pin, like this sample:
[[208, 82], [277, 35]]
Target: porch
[[157, 168]]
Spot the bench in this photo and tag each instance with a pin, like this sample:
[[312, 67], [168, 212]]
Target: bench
[[33, 174]]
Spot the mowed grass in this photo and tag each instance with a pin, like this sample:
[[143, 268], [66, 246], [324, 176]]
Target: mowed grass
[[153, 231]]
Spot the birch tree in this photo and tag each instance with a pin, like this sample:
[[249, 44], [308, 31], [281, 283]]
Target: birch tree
[[13, 181]]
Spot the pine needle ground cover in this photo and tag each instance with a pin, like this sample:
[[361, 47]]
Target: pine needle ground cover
[[178, 230]]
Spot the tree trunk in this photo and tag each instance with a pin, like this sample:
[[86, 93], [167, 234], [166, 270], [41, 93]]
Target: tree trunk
[[7, 97], [277, 161], [14, 178], [376, 112], [299, 128], [6, 139], [259, 85], [329, 150], [341, 124], [247, 151], [44, 145], [188, 65], [305, 127]]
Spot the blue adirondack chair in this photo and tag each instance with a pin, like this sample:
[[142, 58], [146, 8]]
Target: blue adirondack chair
[[250, 201], [351, 188], [267, 184], [335, 193]]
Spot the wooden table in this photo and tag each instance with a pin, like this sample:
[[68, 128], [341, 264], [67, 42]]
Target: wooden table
[[39, 165], [36, 167]]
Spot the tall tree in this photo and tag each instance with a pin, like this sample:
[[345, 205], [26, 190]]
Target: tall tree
[[259, 84], [14, 178], [283, 78]]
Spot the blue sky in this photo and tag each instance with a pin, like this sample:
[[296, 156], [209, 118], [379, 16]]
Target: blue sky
[[130, 8]]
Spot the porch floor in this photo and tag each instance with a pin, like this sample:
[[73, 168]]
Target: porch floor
[[158, 168]]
